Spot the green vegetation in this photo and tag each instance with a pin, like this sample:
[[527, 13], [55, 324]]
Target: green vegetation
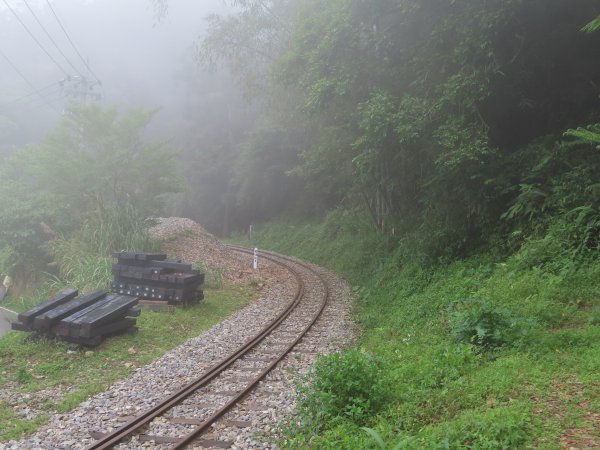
[[32, 367], [447, 117], [82, 193], [353, 385], [453, 149], [492, 351]]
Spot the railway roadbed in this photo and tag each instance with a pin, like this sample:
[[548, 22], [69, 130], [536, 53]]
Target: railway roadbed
[[268, 396]]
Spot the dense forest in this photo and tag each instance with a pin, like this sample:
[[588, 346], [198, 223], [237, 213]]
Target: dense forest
[[443, 156], [453, 149], [470, 121]]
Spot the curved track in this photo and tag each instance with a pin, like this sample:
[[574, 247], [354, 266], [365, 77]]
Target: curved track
[[294, 321]]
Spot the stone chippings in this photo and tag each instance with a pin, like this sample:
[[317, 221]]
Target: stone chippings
[[274, 400], [193, 244], [270, 403]]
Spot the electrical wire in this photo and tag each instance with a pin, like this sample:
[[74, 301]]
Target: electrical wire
[[51, 103], [51, 39], [14, 13], [71, 42], [23, 77], [31, 94], [50, 97], [36, 103]]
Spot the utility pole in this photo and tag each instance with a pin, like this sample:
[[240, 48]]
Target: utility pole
[[81, 89]]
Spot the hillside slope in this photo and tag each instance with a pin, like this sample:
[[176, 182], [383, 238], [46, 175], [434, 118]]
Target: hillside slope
[[492, 351]]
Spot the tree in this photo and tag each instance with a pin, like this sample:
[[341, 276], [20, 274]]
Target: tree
[[590, 134], [421, 112], [218, 119], [248, 42], [94, 168], [263, 187]]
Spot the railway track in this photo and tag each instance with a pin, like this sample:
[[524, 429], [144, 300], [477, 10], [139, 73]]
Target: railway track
[[195, 408]]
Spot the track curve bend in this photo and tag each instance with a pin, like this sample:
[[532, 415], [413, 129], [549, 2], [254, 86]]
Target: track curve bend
[[271, 345], [250, 422]]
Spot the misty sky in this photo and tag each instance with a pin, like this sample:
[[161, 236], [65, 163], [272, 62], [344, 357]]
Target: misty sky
[[137, 58]]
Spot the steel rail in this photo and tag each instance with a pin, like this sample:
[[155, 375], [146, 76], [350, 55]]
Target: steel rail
[[111, 439], [215, 416]]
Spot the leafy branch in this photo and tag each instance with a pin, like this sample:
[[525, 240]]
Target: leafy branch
[[594, 25]]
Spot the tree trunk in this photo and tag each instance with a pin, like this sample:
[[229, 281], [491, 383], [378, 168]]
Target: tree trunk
[[225, 231]]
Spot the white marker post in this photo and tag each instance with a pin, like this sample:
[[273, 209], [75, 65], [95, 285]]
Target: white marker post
[[255, 265]]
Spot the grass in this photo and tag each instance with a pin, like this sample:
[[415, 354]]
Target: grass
[[482, 353], [29, 366], [18, 426]]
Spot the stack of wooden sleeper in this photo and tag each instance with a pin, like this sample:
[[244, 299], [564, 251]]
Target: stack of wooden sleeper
[[85, 320], [153, 277]]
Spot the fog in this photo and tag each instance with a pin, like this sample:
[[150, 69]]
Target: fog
[[140, 59]]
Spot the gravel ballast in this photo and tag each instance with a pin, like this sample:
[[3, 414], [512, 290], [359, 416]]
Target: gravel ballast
[[250, 424]]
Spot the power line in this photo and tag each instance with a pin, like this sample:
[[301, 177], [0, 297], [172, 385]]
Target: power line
[[49, 97], [71, 42], [52, 97], [50, 37], [34, 38], [23, 76], [31, 94], [48, 103], [17, 70]]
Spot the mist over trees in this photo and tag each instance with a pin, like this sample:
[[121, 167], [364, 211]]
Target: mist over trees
[[80, 174], [442, 117], [94, 176], [136, 55], [446, 119], [442, 156]]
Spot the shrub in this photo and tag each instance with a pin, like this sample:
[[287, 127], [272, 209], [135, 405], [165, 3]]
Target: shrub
[[570, 242], [350, 385], [93, 175], [594, 317], [501, 428], [7, 260], [487, 326], [84, 258], [23, 376]]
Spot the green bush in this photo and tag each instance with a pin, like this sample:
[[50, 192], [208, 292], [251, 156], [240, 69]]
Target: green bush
[[594, 317], [501, 428], [84, 258], [570, 242], [7, 259], [538, 323], [351, 385], [94, 175], [487, 326]]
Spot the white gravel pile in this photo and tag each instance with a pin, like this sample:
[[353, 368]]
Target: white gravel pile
[[185, 239]]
